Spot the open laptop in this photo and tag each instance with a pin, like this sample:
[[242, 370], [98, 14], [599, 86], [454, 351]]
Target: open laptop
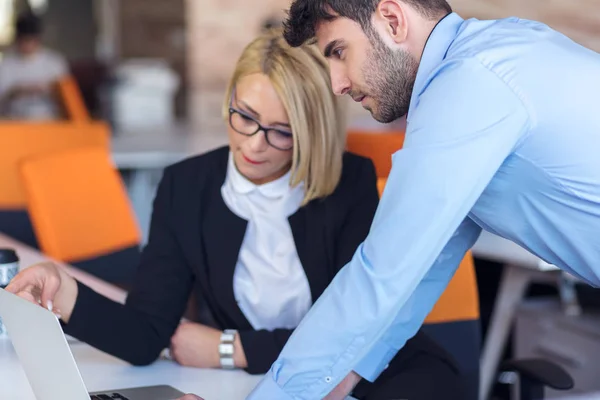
[[47, 360]]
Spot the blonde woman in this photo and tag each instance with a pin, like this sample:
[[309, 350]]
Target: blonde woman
[[255, 231]]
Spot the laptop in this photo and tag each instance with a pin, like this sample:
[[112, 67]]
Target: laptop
[[47, 360]]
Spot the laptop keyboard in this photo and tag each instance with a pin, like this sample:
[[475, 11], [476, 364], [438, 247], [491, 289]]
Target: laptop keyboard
[[114, 396]]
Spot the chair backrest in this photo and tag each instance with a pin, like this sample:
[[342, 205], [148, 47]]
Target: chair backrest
[[72, 100], [78, 204], [19, 140], [454, 320], [378, 146]]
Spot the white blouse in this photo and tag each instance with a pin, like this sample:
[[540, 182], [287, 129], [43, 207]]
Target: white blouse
[[269, 283]]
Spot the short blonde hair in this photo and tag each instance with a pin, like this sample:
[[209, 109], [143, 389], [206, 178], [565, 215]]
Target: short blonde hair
[[300, 77]]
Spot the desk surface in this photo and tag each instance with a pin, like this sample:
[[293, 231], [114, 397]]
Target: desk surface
[[161, 146], [101, 371], [29, 257], [104, 372], [495, 248]]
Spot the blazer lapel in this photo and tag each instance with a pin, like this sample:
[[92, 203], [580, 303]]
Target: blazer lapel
[[308, 232], [223, 233]]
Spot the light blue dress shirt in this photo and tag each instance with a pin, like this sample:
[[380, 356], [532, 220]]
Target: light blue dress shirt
[[503, 134]]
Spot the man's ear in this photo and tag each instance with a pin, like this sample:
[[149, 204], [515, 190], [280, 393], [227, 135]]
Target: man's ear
[[390, 20]]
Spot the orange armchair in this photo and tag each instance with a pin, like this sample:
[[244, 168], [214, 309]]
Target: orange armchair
[[72, 100], [19, 140], [81, 213], [378, 146]]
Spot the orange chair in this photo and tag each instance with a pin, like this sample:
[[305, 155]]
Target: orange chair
[[72, 100], [378, 146], [454, 320], [81, 213], [23, 139]]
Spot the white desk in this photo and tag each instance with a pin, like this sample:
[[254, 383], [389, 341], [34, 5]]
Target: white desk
[[159, 146], [29, 256], [101, 371], [146, 153], [495, 248]]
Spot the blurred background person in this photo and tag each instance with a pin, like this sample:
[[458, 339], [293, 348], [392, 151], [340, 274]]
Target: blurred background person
[[28, 73]]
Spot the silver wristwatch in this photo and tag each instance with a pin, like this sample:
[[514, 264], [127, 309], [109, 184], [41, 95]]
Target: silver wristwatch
[[226, 348]]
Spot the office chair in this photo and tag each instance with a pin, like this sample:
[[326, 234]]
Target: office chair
[[378, 146], [81, 213], [72, 101], [535, 374], [21, 139]]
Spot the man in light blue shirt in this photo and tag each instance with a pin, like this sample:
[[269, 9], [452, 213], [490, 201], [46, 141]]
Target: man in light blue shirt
[[503, 134]]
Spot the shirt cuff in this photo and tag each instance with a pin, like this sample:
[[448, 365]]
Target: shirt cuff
[[267, 388], [375, 362]]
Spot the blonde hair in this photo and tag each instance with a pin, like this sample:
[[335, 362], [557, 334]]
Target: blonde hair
[[300, 77]]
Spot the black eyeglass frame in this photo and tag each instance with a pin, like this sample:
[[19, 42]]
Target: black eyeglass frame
[[259, 126]]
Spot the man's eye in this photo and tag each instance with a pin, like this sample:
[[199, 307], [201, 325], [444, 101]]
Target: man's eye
[[338, 53]]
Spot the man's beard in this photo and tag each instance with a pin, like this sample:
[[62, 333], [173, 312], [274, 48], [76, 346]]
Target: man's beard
[[389, 78]]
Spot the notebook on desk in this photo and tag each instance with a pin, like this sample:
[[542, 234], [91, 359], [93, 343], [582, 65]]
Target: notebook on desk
[[47, 360]]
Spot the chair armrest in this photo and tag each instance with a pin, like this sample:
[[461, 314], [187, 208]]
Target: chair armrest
[[540, 371]]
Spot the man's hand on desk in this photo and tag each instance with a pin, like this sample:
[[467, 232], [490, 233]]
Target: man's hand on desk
[[196, 345]]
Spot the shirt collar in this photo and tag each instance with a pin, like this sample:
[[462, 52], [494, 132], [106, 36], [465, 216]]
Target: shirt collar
[[240, 184], [437, 45]]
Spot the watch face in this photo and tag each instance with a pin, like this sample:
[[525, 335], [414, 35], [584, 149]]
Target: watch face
[[226, 349]]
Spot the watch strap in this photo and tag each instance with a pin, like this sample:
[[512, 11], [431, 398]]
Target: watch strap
[[227, 348]]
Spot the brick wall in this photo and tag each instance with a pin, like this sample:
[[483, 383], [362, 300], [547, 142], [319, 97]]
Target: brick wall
[[578, 19], [217, 31]]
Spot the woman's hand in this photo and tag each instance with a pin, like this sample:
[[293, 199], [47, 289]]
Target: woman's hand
[[196, 345], [48, 285]]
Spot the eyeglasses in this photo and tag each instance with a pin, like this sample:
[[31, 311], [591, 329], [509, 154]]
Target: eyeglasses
[[248, 126]]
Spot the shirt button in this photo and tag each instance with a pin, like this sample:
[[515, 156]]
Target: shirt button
[[328, 379]]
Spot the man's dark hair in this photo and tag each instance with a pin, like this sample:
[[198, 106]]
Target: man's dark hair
[[304, 15], [28, 24]]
